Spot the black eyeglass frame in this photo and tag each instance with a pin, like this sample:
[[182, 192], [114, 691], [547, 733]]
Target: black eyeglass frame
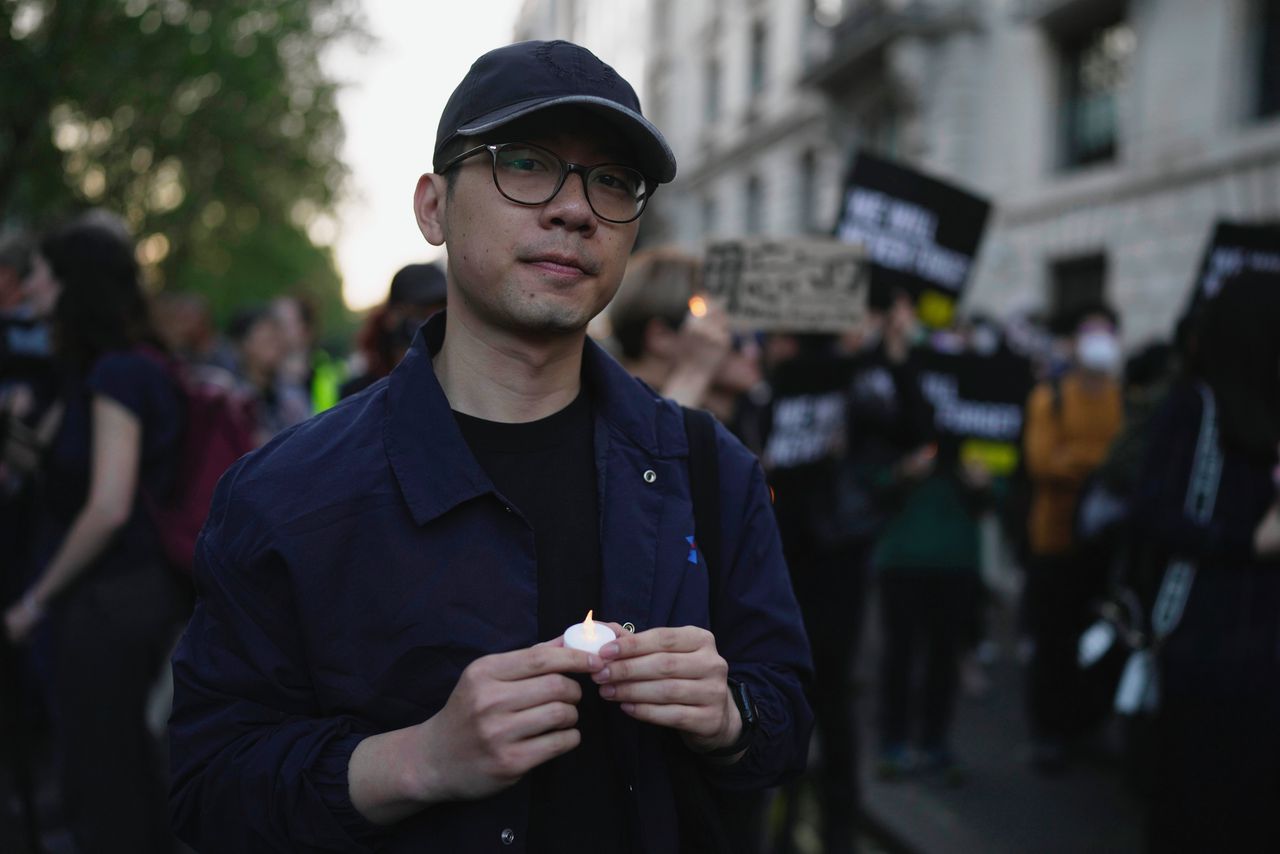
[[566, 168]]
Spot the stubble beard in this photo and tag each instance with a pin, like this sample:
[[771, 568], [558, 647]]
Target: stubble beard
[[528, 314]]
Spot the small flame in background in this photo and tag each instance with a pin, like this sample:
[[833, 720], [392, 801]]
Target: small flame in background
[[697, 306], [589, 627]]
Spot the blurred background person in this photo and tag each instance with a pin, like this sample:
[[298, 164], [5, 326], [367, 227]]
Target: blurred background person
[[306, 365], [677, 339], [837, 422], [113, 604], [28, 381], [260, 355], [662, 341], [1070, 423], [185, 324], [927, 567], [417, 292], [1217, 750]]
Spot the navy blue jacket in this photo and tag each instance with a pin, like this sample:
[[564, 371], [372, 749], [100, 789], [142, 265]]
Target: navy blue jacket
[[351, 569]]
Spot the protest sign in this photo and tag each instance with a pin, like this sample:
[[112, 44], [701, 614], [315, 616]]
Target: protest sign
[[920, 234], [1234, 249], [800, 284], [977, 403]]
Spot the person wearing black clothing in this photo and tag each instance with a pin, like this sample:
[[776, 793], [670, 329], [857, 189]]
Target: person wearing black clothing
[[28, 383], [375, 661], [1217, 780], [836, 422], [113, 604]]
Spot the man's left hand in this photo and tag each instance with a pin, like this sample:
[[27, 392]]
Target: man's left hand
[[672, 677]]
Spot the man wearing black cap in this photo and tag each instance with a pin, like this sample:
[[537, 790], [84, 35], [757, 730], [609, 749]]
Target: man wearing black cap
[[375, 659]]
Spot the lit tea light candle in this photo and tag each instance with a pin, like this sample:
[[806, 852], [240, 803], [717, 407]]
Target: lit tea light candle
[[698, 306], [588, 635]]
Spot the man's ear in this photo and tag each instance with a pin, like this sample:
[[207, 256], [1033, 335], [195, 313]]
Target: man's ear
[[429, 200]]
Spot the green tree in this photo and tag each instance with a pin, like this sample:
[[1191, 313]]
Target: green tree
[[209, 125]]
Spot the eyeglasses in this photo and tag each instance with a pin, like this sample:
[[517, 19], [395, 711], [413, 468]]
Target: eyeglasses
[[529, 175]]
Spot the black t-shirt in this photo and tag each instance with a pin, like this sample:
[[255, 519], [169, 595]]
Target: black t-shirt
[[136, 381], [546, 471]]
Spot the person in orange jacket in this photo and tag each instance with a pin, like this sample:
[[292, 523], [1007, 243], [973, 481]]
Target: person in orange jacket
[[1071, 422]]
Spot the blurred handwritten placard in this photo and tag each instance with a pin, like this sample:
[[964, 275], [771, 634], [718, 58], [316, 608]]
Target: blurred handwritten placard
[[797, 284]]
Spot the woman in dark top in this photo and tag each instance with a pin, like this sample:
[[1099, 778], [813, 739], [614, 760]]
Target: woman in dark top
[[1217, 784], [113, 605]]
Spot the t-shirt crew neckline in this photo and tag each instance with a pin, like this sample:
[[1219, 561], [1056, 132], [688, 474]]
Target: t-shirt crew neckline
[[517, 437]]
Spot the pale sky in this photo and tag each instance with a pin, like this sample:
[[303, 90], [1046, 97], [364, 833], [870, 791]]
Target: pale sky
[[391, 105]]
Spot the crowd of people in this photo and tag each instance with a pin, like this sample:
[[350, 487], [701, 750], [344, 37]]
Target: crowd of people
[[1148, 486], [93, 375], [876, 499]]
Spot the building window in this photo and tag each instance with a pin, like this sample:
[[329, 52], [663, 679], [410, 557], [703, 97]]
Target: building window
[[1078, 283], [1268, 99], [754, 205], [709, 217], [808, 192], [1095, 69], [882, 131], [711, 92], [759, 69]]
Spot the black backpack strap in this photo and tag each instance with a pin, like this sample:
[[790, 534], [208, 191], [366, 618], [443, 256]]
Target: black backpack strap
[[706, 817], [704, 486]]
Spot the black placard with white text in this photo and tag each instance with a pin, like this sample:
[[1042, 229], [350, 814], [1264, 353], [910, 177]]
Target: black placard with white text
[[1236, 248], [920, 234]]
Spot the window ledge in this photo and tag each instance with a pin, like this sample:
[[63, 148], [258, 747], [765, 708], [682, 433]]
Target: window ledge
[[1254, 144]]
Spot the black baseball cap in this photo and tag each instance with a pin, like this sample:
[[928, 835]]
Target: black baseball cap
[[514, 81], [418, 284]]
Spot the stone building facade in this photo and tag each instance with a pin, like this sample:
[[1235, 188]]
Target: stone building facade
[[1110, 135]]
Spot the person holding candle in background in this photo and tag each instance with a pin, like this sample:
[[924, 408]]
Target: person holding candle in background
[[376, 658], [678, 340]]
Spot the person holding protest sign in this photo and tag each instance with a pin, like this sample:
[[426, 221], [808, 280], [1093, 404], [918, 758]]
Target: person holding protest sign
[[840, 424], [677, 338], [671, 336], [927, 563], [1209, 504], [1070, 424], [376, 659]]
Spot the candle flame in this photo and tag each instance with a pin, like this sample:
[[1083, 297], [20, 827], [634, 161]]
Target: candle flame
[[697, 306], [589, 627]]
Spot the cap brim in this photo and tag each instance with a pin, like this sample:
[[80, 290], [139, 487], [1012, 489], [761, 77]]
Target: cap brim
[[656, 160]]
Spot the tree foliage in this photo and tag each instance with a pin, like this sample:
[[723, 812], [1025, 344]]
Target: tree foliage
[[210, 125]]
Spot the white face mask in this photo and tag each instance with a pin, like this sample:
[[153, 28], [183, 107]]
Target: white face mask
[[1098, 351]]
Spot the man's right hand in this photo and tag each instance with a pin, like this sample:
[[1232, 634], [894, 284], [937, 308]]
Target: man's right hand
[[508, 714]]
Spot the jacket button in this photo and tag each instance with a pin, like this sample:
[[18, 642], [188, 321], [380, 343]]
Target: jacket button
[[650, 476], [629, 628], [508, 836]]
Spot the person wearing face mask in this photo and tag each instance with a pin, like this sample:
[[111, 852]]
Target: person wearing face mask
[[1070, 425]]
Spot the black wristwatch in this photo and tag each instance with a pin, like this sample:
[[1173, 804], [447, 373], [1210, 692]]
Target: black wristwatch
[[750, 721]]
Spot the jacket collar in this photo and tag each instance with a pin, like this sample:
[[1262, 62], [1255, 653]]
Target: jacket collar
[[434, 465]]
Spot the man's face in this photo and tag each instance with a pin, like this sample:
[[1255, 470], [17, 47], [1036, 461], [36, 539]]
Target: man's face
[[535, 271]]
